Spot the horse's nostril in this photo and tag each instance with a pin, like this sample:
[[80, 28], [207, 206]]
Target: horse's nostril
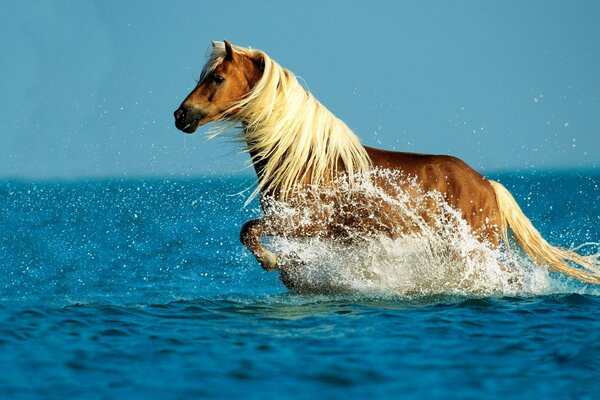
[[179, 114]]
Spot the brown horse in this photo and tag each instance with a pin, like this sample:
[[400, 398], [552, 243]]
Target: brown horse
[[296, 144]]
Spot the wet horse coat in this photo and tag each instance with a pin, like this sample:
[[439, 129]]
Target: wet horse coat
[[296, 144]]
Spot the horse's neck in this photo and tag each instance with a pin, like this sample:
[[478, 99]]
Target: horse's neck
[[298, 170], [258, 165]]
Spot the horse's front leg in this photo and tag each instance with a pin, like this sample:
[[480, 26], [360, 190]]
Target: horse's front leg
[[253, 230], [250, 237]]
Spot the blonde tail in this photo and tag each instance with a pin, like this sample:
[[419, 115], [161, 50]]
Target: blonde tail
[[534, 244]]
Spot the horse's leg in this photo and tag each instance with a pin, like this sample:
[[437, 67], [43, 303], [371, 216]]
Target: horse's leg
[[254, 229], [250, 237]]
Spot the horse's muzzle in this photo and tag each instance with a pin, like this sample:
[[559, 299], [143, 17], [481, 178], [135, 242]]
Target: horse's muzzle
[[187, 119]]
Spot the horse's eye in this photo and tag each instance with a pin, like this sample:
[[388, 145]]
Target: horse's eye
[[218, 79]]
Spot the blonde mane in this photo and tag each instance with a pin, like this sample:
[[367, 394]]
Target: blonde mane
[[294, 138]]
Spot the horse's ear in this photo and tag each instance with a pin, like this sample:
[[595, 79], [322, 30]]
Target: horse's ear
[[213, 43], [230, 54]]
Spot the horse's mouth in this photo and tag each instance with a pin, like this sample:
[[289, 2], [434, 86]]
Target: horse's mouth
[[189, 127], [188, 120]]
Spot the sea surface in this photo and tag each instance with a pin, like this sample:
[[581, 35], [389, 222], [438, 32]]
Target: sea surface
[[139, 288]]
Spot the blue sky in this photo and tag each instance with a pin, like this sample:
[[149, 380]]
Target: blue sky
[[89, 87]]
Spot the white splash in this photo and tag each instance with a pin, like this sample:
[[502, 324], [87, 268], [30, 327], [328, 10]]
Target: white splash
[[408, 266], [443, 258]]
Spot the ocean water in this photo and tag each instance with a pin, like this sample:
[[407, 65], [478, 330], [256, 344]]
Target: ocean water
[[140, 289]]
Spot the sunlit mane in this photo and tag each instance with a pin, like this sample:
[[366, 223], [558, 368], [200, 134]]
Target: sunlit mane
[[292, 136]]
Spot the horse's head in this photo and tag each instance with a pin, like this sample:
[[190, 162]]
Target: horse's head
[[226, 79]]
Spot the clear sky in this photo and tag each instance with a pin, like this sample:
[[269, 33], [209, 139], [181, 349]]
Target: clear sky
[[89, 87]]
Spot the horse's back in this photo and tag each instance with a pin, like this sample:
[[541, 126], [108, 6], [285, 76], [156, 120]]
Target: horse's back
[[463, 187]]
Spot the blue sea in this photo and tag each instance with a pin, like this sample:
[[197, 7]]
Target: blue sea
[[139, 288]]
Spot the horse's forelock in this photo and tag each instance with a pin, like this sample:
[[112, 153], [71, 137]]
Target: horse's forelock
[[218, 53]]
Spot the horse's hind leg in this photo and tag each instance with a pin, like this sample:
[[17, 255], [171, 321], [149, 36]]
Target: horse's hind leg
[[250, 237]]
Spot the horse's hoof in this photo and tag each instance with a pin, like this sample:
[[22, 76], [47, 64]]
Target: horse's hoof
[[269, 262]]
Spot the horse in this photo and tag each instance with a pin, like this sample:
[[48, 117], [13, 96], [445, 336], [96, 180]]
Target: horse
[[296, 144]]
